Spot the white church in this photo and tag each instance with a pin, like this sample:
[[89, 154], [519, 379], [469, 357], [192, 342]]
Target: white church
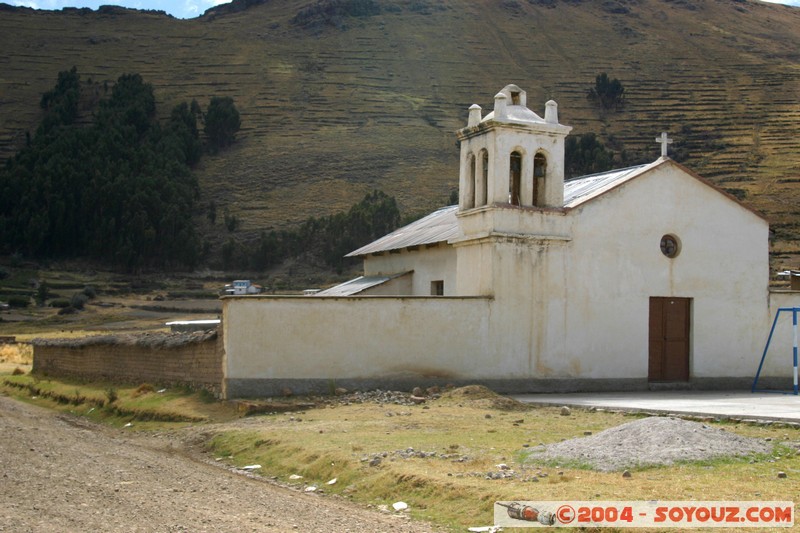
[[627, 280]]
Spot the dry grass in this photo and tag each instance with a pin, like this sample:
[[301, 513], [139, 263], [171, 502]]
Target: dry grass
[[147, 406], [334, 443], [19, 354]]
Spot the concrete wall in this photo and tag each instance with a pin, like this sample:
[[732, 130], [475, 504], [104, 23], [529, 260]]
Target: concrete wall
[[191, 363], [308, 344]]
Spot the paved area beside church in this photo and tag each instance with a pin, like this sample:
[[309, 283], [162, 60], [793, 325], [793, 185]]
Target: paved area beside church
[[731, 404]]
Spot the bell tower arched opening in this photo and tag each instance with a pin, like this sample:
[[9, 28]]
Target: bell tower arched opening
[[515, 178], [482, 185], [539, 179], [469, 193]]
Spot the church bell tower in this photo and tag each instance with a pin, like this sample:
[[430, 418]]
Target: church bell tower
[[511, 196], [512, 156]]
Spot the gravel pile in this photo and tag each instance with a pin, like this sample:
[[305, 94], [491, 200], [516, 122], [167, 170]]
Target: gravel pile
[[381, 397], [649, 441], [375, 459]]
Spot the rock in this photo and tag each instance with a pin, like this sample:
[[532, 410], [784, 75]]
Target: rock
[[295, 476], [781, 475], [375, 461], [332, 482], [340, 391], [310, 488], [626, 473], [503, 466], [400, 506], [433, 390], [251, 467], [286, 391], [487, 415], [566, 411], [587, 433], [417, 391], [418, 399]]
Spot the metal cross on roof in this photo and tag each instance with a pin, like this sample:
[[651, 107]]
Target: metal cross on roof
[[663, 140]]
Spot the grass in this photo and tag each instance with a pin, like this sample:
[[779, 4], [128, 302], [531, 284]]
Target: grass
[[117, 404], [463, 437]]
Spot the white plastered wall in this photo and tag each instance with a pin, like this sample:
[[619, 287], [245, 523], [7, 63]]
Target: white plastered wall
[[616, 265], [428, 264], [357, 338]]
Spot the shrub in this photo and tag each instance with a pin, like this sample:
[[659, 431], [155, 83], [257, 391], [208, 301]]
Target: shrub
[[59, 303], [69, 310], [17, 372], [206, 396], [78, 300], [111, 395], [19, 301], [90, 292]]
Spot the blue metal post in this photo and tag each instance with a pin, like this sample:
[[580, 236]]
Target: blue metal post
[[794, 346], [764, 355], [795, 390]]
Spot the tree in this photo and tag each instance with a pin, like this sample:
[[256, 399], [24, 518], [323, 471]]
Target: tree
[[584, 154], [221, 122], [61, 103], [117, 188], [607, 92], [42, 294]]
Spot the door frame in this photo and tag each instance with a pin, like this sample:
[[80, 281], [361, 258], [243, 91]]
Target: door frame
[[669, 339]]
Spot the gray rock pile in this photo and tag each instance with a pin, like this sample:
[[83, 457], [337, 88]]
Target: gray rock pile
[[649, 441]]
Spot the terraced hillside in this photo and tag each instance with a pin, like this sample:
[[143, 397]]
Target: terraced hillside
[[338, 97]]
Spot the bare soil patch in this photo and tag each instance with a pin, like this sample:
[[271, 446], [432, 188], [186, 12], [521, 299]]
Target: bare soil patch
[[482, 397], [64, 473]]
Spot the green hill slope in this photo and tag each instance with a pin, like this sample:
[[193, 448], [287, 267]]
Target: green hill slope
[[339, 97]]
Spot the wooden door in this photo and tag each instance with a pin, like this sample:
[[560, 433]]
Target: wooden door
[[669, 339]]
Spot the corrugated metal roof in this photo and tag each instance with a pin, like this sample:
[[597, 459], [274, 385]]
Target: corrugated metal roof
[[579, 190], [442, 225], [354, 286], [439, 226]]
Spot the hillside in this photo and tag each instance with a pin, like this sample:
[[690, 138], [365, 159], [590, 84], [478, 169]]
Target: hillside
[[339, 97]]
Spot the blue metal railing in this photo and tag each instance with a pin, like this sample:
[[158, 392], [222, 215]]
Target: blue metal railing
[[794, 311]]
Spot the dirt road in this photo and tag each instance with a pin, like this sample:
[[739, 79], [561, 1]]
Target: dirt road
[[62, 473]]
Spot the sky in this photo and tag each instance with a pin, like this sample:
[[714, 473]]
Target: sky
[[177, 8]]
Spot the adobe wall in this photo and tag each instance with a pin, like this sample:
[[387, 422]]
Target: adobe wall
[[186, 359]]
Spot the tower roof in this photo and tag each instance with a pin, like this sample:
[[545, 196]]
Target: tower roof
[[511, 105]]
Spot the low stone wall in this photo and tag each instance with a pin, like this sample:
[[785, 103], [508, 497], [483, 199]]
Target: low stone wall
[[189, 359]]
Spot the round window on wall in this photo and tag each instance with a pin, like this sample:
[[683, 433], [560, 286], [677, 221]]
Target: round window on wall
[[670, 246]]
